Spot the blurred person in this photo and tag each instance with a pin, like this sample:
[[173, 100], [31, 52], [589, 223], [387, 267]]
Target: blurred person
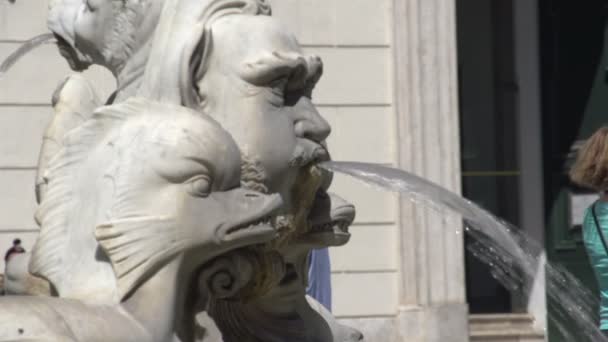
[[15, 249], [591, 171], [319, 277]]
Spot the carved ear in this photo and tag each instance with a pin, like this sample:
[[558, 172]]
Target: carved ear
[[182, 44], [197, 51], [195, 59]]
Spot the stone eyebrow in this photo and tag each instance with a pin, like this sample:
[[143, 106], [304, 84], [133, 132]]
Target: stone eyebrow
[[301, 70]]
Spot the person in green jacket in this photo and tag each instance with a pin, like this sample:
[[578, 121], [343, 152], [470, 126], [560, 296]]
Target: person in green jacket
[[591, 171]]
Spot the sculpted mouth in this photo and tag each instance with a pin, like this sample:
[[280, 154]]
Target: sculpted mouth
[[63, 45], [330, 220], [315, 155], [319, 155], [342, 227], [290, 275], [341, 219], [266, 220], [259, 224], [74, 58]]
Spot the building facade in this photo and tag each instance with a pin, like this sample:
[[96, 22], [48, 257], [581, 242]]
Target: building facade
[[447, 89]]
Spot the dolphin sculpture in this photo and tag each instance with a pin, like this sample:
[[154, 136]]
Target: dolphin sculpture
[[139, 199]]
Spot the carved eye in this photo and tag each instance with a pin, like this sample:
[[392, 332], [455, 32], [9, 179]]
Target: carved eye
[[199, 186]]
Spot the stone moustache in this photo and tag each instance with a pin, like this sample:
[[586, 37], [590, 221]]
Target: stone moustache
[[194, 191]]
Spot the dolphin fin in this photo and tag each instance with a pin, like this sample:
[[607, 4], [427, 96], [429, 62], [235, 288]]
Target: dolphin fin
[[138, 247]]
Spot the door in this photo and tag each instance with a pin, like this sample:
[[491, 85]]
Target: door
[[575, 103], [488, 125]]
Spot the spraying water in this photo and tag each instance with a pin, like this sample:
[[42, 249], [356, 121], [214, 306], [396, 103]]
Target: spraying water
[[24, 49], [512, 256]]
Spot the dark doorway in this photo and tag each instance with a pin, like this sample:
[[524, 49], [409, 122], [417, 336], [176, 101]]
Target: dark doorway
[[575, 103], [489, 131]]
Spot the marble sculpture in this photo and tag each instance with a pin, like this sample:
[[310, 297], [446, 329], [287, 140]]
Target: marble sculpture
[[184, 207]]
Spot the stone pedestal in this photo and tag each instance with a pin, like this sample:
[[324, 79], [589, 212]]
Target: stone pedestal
[[445, 322], [432, 287]]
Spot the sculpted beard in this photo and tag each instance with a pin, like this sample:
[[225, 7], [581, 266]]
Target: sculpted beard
[[253, 177], [269, 266], [293, 223], [121, 39], [268, 263]]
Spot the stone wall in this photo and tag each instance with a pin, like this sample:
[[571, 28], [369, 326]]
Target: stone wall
[[355, 95], [25, 95]]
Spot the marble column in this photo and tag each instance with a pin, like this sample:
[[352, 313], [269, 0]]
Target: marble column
[[432, 303]]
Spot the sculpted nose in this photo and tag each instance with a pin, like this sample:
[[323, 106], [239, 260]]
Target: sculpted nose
[[309, 124]]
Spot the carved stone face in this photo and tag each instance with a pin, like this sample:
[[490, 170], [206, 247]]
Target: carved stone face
[[97, 27], [61, 20], [103, 32], [258, 85]]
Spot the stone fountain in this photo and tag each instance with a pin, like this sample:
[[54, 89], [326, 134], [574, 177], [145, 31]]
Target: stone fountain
[[185, 206]]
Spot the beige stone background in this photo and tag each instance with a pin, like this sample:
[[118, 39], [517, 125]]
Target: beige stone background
[[354, 39]]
